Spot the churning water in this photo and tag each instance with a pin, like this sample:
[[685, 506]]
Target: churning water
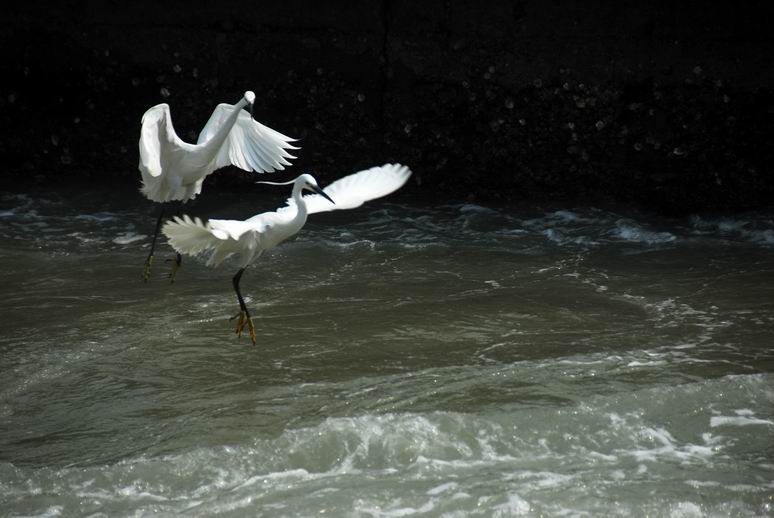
[[450, 360]]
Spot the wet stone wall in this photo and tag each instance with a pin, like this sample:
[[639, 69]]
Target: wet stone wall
[[654, 104]]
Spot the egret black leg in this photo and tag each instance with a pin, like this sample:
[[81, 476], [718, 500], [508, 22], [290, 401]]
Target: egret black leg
[[244, 314], [178, 260], [175, 266], [149, 260]]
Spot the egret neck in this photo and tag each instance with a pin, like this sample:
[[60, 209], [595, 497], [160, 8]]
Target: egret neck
[[299, 219], [216, 141]]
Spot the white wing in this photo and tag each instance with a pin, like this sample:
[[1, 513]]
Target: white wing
[[191, 237], [249, 145], [158, 140], [218, 238], [354, 190]]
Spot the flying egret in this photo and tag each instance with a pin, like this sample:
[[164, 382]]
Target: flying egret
[[173, 170], [219, 239]]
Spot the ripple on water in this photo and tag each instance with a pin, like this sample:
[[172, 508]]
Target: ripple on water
[[456, 360], [548, 459]]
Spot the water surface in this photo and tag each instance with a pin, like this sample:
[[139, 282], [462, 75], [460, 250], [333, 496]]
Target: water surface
[[452, 360]]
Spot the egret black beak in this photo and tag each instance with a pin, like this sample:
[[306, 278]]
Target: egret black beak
[[322, 193], [251, 111]]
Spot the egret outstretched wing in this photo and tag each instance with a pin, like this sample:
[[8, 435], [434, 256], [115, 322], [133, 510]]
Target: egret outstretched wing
[[249, 145], [158, 140], [250, 238], [219, 238], [174, 170], [353, 190], [192, 236]]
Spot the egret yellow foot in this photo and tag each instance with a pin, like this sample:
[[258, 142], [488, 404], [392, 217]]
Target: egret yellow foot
[[146, 271], [245, 319], [175, 266]]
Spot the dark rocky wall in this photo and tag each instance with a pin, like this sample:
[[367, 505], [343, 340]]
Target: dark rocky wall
[[667, 104]]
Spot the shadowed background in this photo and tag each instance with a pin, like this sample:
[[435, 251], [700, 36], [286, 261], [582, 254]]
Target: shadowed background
[[662, 105], [509, 334]]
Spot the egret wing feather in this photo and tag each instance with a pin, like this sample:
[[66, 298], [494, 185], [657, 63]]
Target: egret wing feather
[[231, 228], [158, 139], [216, 239], [249, 145], [221, 238], [191, 236], [353, 190], [162, 155]]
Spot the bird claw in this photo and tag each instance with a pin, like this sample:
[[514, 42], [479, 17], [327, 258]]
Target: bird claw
[[245, 318], [147, 269]]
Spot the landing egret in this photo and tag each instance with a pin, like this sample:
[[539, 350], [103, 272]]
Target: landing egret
[[219, 239], [173, 170]]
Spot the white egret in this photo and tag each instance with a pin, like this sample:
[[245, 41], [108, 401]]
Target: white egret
[[174, 170], [218, 239]]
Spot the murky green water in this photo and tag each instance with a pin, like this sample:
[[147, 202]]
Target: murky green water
[[411, 360]]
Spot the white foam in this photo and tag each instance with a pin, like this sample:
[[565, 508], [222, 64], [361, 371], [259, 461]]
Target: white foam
[[514, 506], [534, 457], [472, 207], [98, 217], [702, 483], [437, 490], [554, 235], [716, 421], [652, 363], [630, 231], [686, 510], [761, 236], [84, 238], [133, 492], [749, 231], [407, 511], [129, 237], [566, 215], [54, 510], [727, 225], [618, 474]]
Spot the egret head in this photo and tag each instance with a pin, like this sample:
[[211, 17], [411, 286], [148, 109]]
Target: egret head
[[305, 181], [308, 182], [250, 100]]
